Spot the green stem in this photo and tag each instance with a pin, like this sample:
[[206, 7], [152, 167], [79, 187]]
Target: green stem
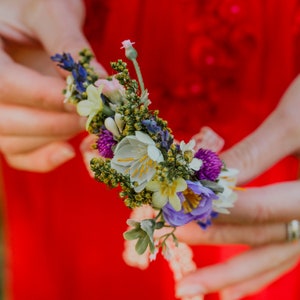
[[158, 215], [167, 235], [139, 74]]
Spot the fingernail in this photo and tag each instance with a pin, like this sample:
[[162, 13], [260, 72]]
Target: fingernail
[[190, 290], [62, 155], [87, 143]]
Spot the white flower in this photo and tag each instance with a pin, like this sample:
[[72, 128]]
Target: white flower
[[70, 88], [196, 164], [227, 179], [188, 149], [92, 105], [137, 156], [164, 192]]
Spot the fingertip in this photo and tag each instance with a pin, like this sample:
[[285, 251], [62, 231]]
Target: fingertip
[[61, 155], [87, 152], [42, 160], [189, 290], [230, 295]]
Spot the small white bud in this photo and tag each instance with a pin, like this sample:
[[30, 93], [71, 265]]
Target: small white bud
[[111, 126]]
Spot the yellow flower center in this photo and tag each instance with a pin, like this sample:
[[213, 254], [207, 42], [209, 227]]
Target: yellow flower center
[[168, 189], [192, 200], [145, 164]]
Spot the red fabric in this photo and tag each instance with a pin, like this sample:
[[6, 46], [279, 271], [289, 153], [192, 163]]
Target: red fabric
[[224, 64]]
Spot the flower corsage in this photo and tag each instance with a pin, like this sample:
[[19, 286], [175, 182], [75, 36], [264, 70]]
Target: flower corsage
[[137, 153]]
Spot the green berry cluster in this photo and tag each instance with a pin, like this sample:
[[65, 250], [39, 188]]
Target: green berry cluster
[[104, 173], [85, 58]]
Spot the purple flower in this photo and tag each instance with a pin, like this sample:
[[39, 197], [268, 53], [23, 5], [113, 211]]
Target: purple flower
[[163, 136], [80, 76], [196, 203], [105, 143], [66, 62], [211, 166]]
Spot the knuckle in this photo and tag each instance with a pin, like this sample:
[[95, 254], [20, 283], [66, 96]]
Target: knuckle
[[258, 236], [263, 213]]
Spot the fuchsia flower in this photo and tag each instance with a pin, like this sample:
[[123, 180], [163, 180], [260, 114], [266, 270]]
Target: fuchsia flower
[[105, 143], [211, 165]]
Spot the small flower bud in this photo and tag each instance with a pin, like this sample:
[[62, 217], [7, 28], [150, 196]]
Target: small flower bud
[[111, 126], [130, 52], [119, 121]]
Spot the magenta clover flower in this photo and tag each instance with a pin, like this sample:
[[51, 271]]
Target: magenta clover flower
[[196, 203], [105, 143], [211, 165]]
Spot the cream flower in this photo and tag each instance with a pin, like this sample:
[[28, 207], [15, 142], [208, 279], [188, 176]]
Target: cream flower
[[164, 192], [227, 179], [137, 156], [92, 105], [188, 150], [115, 125]]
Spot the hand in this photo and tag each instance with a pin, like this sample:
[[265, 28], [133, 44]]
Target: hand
[[259, 216], [35, 125]]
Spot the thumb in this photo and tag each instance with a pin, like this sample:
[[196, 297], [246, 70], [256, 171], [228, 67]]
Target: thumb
[[270, 142], [58, 26], [88, 152]]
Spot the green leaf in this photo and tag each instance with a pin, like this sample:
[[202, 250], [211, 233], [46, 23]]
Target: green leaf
[[159, 225], [148, 226], [133, 234], [132, 223], [214, 186], [142, 244]]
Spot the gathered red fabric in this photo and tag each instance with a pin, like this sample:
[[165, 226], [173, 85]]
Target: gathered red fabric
[[219, 63]]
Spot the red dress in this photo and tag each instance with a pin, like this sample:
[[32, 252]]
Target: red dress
[[224, 64]]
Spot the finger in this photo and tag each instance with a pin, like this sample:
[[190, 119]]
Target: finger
[[273, 140], [261, 149], [23, 86], [88, 152], [20, 144], [208, 139], [16, 120], [59, 15], [43, 159], [274, 202], [237, 269], [254, 235], [257, 283]]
